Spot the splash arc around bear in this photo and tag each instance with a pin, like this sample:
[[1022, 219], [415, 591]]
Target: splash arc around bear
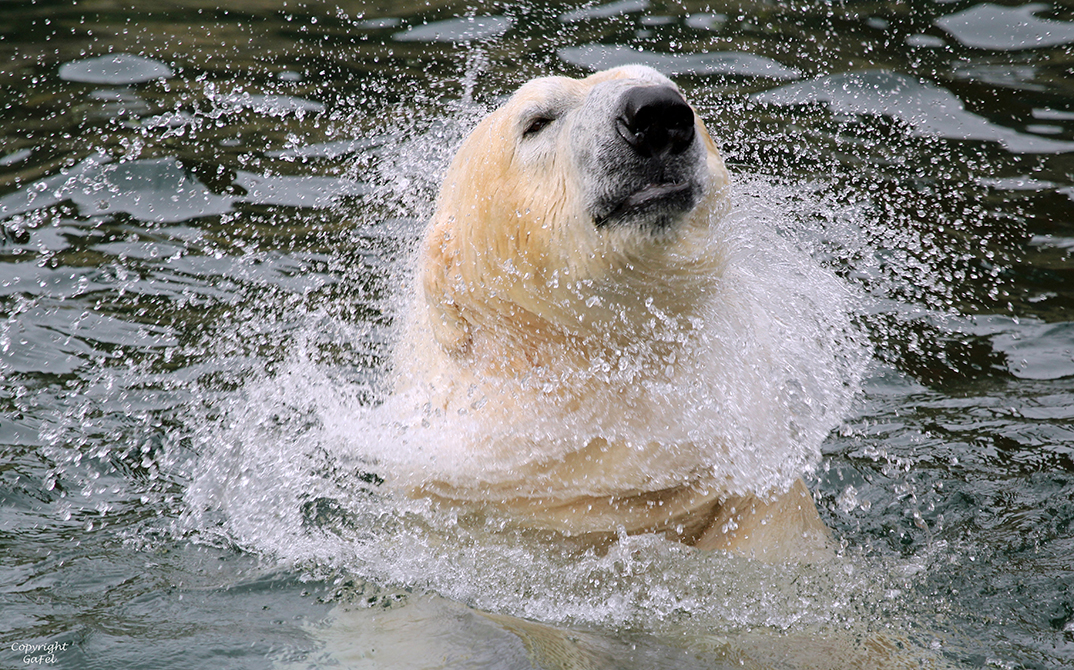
[[603, 346]]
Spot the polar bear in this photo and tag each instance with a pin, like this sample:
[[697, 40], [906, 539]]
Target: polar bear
[[581, 332]]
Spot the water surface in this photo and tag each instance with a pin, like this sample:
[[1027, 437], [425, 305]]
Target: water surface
[[206, 213]]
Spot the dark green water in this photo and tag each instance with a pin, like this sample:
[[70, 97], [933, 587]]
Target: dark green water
[[206, 213]]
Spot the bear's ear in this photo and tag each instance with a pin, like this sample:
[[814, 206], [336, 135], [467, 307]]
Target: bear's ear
[[446, 320]]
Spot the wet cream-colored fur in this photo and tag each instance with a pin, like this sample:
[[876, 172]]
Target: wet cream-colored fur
[[550, 337]]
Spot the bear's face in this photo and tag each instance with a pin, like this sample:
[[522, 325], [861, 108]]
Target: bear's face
[[556, 196], [636, 152], [627, 139]]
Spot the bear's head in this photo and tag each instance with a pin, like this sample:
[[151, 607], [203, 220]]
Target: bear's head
[[570, 213]]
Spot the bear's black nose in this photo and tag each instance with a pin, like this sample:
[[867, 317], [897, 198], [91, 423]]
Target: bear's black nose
[[655, 121]]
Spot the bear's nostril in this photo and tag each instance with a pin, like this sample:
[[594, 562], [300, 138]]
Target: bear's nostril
[[655, 121]]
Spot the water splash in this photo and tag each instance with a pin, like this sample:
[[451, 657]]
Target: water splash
[[297, 461], [280, 473]]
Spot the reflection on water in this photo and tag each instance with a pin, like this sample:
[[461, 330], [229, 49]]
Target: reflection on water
[[600, 57], [115, 69], [927, 109], [205, 218], [988, 26], [456, 30]]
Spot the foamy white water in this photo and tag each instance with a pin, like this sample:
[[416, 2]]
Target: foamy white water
[[307, 466]]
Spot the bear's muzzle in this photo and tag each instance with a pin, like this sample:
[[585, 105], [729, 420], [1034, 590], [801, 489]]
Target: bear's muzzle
[[650, 161]]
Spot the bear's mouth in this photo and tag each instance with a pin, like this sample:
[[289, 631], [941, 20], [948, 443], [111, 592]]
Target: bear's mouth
[[661, 200]]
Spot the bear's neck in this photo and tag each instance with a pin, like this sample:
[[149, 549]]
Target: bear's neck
[[638, 317]]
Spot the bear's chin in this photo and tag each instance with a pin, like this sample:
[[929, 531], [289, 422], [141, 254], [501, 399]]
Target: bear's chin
[[654, 207]]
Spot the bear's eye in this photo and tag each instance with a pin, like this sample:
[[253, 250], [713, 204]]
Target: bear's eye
[[536, 125]]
